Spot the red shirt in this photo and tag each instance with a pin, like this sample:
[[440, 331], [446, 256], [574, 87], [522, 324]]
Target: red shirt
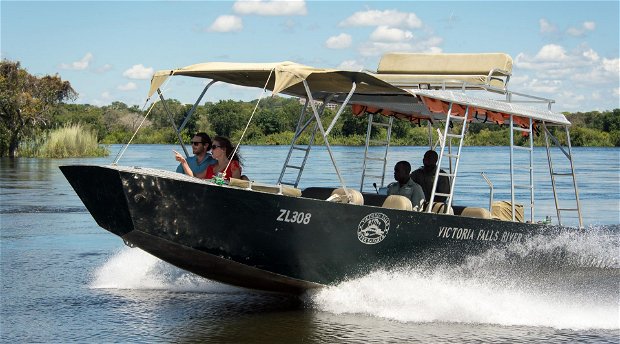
[[233, 166]]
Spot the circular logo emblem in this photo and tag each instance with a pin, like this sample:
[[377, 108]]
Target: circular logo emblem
[[373, 228]]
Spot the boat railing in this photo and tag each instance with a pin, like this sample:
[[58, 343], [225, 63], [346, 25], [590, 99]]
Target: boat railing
[[491, 191]]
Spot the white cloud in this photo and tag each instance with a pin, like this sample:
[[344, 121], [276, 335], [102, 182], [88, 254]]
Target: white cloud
[[342, 41], [375, 17], [543, 86], [591, 55], [130, 86], [434, 50], [78, 65], [271, 8], [106, 95], [616, 91], [612, 66], [575, 79], [429, 45], [226, 23], [105, 98], [551, 52], [353, 65], [385, 33], [138, 72], [102, 69], [546, 26], [590, 26], [585, 27], [289, 25]]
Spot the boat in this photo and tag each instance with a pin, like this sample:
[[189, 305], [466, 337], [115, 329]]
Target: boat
[[276, 237]]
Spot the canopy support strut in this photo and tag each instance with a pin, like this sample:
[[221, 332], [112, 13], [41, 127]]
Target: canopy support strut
[[177, 131], [325, 139], [553, 173], [191, 112]]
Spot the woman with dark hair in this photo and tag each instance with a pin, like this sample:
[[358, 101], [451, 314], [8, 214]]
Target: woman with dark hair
[[222, 150]]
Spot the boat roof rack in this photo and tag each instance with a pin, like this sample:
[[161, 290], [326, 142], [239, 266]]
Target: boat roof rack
[[446, 71]]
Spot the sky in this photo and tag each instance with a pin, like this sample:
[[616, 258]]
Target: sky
[[108, 50]]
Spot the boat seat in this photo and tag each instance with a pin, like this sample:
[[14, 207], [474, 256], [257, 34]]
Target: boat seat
[[373, 199], [274, 189], [480, 213], [502, 210], [440, 208], [397, 202], [445, 70], [340, 196], [317, 192]]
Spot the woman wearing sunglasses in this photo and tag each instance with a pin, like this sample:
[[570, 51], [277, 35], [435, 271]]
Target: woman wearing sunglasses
[[222, 150]]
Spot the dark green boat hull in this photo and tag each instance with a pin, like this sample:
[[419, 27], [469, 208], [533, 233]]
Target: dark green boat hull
[[272, 242]]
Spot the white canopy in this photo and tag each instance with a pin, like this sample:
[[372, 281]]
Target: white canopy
[[284, 77], [371, 91]]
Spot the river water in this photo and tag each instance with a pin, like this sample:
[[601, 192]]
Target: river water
[[64, 279]]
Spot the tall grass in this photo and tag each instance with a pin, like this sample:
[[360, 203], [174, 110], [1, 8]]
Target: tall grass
[[70, 141]]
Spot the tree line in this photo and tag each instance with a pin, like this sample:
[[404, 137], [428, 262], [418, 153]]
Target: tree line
[[30, 105]]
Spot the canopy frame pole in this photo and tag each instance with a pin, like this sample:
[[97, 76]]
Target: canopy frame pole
[[122, 151], [368, 132], [530, 168], [297, 134], [572, 169], [174, 127], [553, 174], [532, 200], [298, 131], [191, 111], [512, 177], [486, 179], [340, 110], [430, 134], [383, 159], [325, 139], [442, 144], [456, 158]]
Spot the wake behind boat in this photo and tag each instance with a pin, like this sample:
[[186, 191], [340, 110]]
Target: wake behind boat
[[276, 237]]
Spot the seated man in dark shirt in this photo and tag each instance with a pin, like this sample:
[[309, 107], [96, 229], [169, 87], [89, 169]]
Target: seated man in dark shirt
[[426, 174], [404, 186]]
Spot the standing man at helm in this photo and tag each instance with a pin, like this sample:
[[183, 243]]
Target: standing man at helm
[[198, 163]]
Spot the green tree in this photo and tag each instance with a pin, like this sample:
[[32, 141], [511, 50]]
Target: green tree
[[271, 121], [353, 125], [27, 103], [90, 116], [227, 116]]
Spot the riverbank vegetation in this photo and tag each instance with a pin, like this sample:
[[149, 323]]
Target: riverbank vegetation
[[27, 103], [33, 106], [275, 120], [72, 140]]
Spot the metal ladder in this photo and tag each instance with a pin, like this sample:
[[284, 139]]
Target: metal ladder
[[529, 169], [302, 123], [453, 159], [365, 167], [555, 174]]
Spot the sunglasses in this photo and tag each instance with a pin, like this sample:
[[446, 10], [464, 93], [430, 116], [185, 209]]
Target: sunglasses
[[196, 143], [216, 146]]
